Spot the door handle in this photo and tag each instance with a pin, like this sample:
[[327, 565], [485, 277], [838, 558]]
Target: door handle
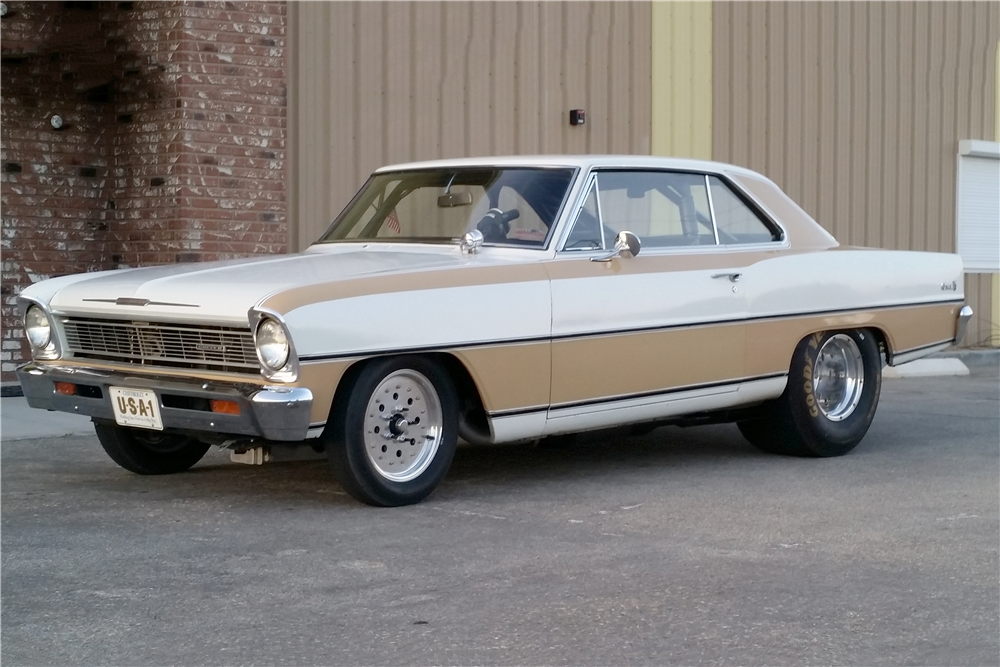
[[733, 277]]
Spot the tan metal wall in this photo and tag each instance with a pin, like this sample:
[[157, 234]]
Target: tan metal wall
[[856, 110], [374, 83]]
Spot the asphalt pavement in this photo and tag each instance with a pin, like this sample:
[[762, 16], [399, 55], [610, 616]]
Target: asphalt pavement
[[682, 546]]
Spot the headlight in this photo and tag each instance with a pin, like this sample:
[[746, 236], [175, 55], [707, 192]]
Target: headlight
[[272, 345], [37, 328]]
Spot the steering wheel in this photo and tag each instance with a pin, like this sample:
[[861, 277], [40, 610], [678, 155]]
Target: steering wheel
[[495, 225]]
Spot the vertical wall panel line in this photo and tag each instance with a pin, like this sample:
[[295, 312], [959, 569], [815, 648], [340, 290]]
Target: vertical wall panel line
[[874, 99], [378, 83]]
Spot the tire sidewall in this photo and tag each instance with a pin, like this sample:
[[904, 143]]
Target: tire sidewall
[[127, 448], [348, 454], [823, 436]]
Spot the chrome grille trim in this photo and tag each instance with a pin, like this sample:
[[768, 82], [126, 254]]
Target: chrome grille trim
[[154, 344]]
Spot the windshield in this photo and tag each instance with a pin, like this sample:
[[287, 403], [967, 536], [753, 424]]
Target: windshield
[[515, 206]]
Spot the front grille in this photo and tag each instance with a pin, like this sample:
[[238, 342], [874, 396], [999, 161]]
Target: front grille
[[225, 349]]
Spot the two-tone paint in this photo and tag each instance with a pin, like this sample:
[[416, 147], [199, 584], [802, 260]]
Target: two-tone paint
[[552, 341]]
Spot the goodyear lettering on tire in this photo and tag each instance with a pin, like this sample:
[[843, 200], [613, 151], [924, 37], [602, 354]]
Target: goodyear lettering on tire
[[807, 375]]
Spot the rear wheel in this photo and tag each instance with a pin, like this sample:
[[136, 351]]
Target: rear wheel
[[392, 441], [830, 400], [149, 452]]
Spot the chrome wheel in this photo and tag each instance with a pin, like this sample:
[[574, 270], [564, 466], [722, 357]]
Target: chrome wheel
[[838, 377], [403, 425]]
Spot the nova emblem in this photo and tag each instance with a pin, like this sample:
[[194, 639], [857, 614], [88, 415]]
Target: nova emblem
[[949, 287]]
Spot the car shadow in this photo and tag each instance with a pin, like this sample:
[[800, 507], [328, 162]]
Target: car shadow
[[593, 454], [310, 483]]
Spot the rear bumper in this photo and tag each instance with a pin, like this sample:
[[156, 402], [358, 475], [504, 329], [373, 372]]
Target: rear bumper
[[273, 413], [962, 324]]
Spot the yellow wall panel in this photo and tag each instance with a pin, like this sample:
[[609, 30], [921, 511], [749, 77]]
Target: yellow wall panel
[[682, 79]]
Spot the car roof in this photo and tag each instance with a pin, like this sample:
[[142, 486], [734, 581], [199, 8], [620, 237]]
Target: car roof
[[576, 161]]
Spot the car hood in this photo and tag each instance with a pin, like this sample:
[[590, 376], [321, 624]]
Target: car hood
[[225, 291]]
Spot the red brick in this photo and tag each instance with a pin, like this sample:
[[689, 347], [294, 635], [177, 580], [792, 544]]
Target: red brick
[[208, 115]]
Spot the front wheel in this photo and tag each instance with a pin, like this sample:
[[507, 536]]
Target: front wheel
[[149, 452], [833, 388], [393, 439]]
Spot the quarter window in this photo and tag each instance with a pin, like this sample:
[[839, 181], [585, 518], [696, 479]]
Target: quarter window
[[737, 222]]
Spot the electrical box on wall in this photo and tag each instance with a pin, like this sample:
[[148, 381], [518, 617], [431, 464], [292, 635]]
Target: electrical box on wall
[[577, 116]]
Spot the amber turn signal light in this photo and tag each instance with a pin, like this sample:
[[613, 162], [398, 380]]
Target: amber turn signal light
[[225, 407], [66, 388]]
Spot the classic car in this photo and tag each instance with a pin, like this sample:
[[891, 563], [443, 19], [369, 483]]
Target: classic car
[[490, 301]]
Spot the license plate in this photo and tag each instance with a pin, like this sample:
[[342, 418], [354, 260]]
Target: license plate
[[136, 407]]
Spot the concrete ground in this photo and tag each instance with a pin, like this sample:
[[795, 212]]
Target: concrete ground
[[683, 546]]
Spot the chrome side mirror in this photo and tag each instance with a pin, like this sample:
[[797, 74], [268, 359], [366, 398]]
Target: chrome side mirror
[[627, 245], [471, 242]]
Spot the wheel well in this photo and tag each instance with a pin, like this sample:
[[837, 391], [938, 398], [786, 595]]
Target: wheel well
[[473, 422], [880, 336], [883, 343]]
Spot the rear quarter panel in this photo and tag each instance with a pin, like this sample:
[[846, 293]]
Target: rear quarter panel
[[912, 297]]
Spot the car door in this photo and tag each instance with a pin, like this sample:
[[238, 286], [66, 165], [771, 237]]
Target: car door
[[650, 336]]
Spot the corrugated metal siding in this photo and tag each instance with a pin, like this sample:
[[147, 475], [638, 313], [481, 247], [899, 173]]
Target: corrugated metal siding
[[378, 83], [979, 294], [856, 110], [682, 79]]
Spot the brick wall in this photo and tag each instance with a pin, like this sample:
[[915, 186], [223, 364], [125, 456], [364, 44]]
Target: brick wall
[[173, 148]]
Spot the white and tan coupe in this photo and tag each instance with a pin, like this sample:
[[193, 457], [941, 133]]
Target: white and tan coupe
[[496, 300]]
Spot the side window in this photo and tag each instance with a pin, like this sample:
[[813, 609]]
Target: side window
[[736, 221], [586, 234], [666, 209], [663, 208]]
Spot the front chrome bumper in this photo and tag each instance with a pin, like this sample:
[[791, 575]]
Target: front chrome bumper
[[273, 413]]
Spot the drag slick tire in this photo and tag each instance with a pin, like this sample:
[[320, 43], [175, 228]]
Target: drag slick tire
[[149, 452], [392, 440], [829, 401]]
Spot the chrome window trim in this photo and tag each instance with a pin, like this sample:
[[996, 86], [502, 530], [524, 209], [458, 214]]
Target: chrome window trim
[[600, 216], [653, 251], [722, 248], [711, 208], [567, 231]]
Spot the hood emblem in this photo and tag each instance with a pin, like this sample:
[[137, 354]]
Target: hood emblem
[[136, 301], [131, 301]]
